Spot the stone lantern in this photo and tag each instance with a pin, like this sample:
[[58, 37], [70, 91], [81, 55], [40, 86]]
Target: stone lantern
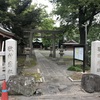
[[61, 61]]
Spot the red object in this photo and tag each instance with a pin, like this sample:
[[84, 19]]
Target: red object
[[4, 95]]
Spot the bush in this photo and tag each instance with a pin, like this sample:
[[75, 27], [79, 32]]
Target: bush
[[78, 68], [75, 68]]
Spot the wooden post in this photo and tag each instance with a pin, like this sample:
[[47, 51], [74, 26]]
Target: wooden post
[[73, 55]]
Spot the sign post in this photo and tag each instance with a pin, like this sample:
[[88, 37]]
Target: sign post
[[11, 58], [79, 54]]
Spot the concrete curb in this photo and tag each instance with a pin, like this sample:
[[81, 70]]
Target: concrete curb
[[73, 80]]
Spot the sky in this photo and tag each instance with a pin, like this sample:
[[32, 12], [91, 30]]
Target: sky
[[44, 2], [48, 9]]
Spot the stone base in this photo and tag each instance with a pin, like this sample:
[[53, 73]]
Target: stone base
[[54, 59], [10, 98], [61, 63], [50, 55], [90, 83], [25, 85]]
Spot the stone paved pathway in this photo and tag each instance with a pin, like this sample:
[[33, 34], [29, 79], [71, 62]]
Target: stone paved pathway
[[57, 86]]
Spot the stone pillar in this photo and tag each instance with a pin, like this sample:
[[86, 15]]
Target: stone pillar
[[30, 40], [2, 66], [50, 55], [11, 58], [54, 49], [95, 57]]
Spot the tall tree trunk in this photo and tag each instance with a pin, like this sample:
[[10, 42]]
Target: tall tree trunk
[[81, 25], [82, 35]]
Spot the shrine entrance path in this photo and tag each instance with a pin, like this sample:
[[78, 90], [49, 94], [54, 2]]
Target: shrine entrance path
[[56, 85]]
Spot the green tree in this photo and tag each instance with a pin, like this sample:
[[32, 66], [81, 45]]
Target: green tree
[[4, 4], [19, 15], [71, 32], [23, 15], [47, 24], [77, 12]]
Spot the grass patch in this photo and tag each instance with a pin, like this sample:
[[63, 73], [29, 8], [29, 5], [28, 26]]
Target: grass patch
[[22, 61], [76, 76], [78, 68], [68, 57], [75, 68], [36, 75]]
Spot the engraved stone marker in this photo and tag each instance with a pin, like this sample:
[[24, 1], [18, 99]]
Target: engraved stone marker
[[95, 57], [11, 58]]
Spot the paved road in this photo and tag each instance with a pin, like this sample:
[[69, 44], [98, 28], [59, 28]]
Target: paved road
[[57, 86]]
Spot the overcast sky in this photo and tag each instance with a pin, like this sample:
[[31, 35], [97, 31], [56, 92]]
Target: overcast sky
[[44, 2], [48, 9]]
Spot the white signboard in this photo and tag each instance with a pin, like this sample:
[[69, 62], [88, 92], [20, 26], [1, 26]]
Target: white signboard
[[11, 58], [79, 53]]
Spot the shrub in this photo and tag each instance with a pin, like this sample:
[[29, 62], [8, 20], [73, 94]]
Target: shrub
[[75, 68]]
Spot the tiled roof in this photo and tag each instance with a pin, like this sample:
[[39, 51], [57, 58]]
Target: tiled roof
[[6, 33]]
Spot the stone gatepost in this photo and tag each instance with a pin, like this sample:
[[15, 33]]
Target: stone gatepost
[[95, 57], [11, 58], [50, 55], [2, 67]]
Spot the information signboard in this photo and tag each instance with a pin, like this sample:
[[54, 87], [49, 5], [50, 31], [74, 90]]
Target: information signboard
[[79, 53]]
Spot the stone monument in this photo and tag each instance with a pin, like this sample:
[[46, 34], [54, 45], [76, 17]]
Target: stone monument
[[95, 57], [11, 58]]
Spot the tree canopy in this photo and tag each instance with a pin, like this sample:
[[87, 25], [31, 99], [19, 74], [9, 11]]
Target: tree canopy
[[77, 12], [17, 15]]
